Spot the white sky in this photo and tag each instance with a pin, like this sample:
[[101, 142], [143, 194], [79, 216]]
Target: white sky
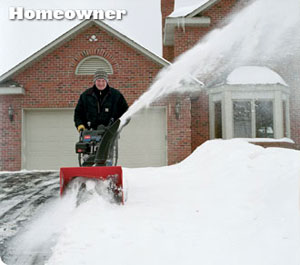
[[20, 39]]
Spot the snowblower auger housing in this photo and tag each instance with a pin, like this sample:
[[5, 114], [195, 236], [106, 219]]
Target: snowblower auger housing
[[95, 153]]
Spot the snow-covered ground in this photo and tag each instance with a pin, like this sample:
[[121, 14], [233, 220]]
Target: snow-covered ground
[[229, 203]]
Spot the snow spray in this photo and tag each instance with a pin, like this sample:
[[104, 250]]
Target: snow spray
[[264, 33], [34, 243]]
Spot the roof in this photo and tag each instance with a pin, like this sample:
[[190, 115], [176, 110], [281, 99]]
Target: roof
[[71, 33], [193, 10]]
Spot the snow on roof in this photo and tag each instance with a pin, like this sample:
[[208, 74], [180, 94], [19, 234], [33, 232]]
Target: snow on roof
[[254, 75], [186, 10]]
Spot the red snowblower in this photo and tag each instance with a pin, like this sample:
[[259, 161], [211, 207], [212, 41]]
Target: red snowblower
[[97, 155]]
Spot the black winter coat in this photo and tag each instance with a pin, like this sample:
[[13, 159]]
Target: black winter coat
[[112, 106]]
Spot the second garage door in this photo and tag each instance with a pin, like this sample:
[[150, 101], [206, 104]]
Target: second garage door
[[143, 141]]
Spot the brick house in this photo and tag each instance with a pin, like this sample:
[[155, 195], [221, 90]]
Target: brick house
[[38, 96]]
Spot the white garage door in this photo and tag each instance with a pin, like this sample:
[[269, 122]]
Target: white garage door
[[143, 141], [49, 138]]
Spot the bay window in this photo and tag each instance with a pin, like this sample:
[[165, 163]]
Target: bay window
[[249, 111]]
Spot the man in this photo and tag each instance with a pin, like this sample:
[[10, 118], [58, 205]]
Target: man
[[100, 104]]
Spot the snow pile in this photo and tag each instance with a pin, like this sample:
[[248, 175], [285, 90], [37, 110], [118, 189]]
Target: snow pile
[[254, 75], [1, 262], [33, 242], [230, 202]]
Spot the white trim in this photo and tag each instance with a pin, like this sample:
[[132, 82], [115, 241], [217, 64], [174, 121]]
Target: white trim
[[171, 23], [227, 106], [11, 91], [166, 134], [23, 142], [278, 115], [253, 117], [68, 35], [211, 106], [288, 121]]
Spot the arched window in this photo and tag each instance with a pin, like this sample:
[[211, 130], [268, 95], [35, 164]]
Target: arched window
[[89, 65]]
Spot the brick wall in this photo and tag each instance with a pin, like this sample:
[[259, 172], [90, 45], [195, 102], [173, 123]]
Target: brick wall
[[10, 133], [276, 144], [290, 71], [51, 83], [200, 120], [167, 7], [179, 128]]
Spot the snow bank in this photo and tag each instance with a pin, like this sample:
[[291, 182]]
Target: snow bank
[[254, 75], [230, 202]]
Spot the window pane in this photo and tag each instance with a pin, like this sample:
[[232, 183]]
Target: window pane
[[218, 120], [242, 119], [264, 119]]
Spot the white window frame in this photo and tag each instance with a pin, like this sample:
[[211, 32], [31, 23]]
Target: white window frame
[[100, 58], [229, 93]]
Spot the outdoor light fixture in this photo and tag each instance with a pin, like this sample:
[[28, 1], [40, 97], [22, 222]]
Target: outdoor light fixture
[[177, 109], [11, 113]]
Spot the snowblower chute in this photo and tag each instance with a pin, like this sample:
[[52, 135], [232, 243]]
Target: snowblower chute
[[97, 154]]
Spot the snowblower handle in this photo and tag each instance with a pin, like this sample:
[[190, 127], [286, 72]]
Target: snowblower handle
[[80, 136]]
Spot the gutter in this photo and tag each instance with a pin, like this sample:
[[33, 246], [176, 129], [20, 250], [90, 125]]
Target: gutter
[[174, 22]]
